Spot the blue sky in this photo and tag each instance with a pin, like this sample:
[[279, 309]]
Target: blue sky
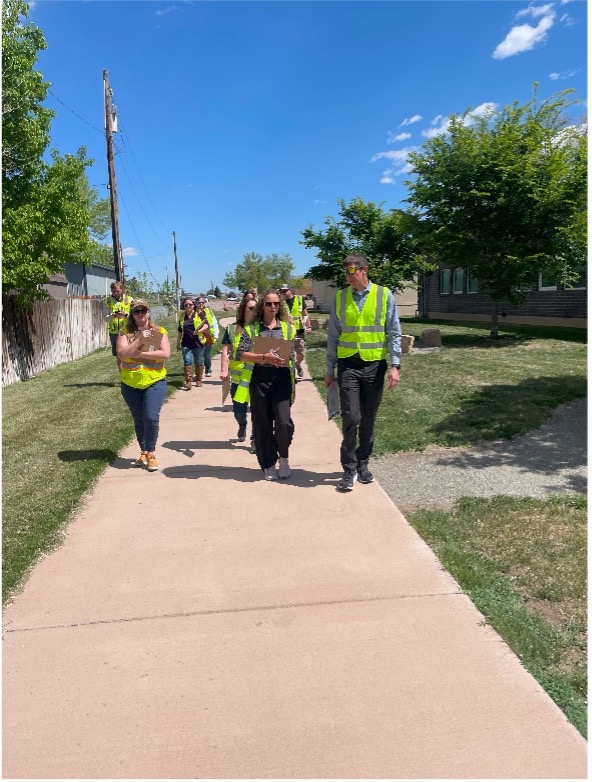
[[243, 122]]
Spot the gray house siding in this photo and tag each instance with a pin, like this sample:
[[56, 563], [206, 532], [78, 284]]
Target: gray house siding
[[89, 280]]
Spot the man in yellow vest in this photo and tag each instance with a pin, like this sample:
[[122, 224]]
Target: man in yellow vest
[[300, 321], [118, 306], [364, 343]]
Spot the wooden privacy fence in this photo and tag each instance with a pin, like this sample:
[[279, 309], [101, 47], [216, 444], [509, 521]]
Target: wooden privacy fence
[[51, 333]]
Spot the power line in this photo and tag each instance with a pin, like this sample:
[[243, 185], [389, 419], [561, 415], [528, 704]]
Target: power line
[[94, 127], [126, 141]]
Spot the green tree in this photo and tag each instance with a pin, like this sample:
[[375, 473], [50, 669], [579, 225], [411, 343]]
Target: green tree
[[139, 286], [505, 195], [44, 219], [264, 273], [387, 239]]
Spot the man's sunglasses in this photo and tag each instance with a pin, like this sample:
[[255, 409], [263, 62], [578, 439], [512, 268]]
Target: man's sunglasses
[[272, 304], [140, 311], [350, 269]]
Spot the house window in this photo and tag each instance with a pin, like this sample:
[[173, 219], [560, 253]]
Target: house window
[[582, 282], [472, 283], [444, 282], [547, 283], [458, 281]]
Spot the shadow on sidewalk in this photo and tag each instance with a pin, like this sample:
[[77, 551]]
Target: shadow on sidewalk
[[304, 479], [187, 446]]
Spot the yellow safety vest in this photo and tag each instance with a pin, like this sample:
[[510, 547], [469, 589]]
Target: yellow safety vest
[[124, 305], [235, 367], [362, 331], [141, 375], [296, 312], [201, 337], [242, 392]]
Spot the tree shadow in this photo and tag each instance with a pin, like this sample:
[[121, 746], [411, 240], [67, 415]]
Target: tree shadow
[[91, 454], [557, 449], [484, 341], [85, 385], [305, 479], [498, 412]]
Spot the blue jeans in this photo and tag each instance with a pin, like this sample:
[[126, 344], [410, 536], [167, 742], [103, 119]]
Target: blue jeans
[[239, 409], [208, 358], [193, 356], [144, 405]]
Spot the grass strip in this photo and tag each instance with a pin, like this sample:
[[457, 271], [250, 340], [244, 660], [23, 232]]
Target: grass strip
[[523, 563]]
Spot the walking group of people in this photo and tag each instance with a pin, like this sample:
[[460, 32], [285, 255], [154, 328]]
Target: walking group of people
[[262, 353]]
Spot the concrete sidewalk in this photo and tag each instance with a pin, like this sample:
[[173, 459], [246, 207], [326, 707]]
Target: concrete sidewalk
[[202, 623]]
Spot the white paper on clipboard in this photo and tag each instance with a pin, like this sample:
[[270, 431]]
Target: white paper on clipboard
[[333, 401]]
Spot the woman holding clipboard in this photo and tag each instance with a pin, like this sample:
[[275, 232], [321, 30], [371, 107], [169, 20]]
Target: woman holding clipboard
[[267, 379], [143, 347]]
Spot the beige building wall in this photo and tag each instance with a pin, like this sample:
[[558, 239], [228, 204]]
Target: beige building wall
[[324, 294]]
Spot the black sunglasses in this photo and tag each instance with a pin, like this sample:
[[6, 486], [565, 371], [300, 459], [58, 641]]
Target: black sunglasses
[[140, 311], [272, 304]]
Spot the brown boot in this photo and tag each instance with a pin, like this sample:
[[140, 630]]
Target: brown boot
[[198, 379], [188, 379]]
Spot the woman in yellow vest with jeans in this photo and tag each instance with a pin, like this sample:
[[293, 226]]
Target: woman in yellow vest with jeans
[[269, 383], [229, 365], [143, 348]]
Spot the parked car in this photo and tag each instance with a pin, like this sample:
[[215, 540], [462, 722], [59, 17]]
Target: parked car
[[211, 296], [232, 298]]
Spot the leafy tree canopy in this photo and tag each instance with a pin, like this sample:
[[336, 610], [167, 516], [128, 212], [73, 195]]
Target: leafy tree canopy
[[46, 215], [505, 194], [263, 273], [387, 239]]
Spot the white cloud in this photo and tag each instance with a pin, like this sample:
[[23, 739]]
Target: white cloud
[[563, 75], [399, 137], [481, 111], [32, 5], [441, 126], [171, 9], [525, 37], [411, 120], [398, 158], [567, 20], [128, 252], [319, 201]]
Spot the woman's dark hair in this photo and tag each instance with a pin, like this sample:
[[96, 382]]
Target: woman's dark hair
[[187, 298]]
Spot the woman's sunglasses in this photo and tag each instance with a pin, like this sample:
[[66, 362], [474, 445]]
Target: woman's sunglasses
[[188, 304], [140, 311], [272, 304]]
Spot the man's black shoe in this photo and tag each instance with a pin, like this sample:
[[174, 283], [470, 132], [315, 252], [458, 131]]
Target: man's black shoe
[[364, 474], [347, 482], [242, 434]]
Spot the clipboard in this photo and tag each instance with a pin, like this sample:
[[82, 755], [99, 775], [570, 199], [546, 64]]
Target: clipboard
[[225, 388], [148, 344], [283, 347], [333, 401]]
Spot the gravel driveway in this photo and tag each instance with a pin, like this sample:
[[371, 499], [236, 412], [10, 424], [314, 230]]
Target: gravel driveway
[[546, 461]]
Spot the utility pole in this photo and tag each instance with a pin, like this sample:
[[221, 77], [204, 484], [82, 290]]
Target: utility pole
[[177, 302], [109, 115]]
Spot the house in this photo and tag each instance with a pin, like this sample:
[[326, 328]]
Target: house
[[454, 294], [81, 279]]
